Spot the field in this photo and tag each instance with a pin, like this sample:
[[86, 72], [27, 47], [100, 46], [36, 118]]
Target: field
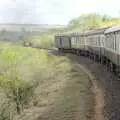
[[36, 85]]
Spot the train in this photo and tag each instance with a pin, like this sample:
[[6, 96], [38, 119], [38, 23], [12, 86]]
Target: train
[[102, 45]]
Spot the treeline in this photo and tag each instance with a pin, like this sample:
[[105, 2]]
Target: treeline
[[93, 21], [81, 23]]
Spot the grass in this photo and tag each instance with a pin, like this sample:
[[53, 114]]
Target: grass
[[23, 69], [73, 101], [36, 85], [41, 41]]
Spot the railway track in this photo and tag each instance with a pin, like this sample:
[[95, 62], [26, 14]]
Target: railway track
[[110, 86], [43, 48], [97, 91]]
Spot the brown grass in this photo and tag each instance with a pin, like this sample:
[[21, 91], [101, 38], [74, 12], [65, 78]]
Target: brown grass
[[67, 97]]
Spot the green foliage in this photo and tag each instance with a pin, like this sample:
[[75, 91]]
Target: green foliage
[[93, 21], [42, 41], [106, 18], [22, 69], [17, 90], [6, 112]]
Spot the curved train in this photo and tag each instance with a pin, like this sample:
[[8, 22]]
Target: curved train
[[102, 45]]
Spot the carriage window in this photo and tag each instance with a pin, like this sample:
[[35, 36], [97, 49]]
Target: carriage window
[[109, 41], [114, 42], [106, 41], [97, 40], [117, 34], [74, 40], [81, 40], [77, 40], [112, 36], [103, 41]]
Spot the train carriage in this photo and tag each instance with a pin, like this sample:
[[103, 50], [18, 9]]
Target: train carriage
[[63, 42], [58, 41], [78, 42], [101, 44], [95, 43], [112, 48]]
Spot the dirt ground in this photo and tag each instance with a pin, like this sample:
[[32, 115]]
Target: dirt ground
[[74, 102], [109, 85], [69, 98]]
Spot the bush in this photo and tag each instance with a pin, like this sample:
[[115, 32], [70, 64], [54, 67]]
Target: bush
[[23, 69], [42, 41], [6, 111], [17, 90]]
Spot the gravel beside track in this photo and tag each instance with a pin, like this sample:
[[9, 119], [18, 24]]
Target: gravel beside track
[[110, 86]]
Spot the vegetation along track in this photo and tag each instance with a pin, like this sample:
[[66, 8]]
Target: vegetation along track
[[109, 86], [99, 98]]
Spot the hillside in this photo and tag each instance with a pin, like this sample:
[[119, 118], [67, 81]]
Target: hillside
[[92, 21], [28, 27], [15, 32]]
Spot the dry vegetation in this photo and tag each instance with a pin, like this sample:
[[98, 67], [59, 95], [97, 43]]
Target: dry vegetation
[[45, 40], [37, 86]]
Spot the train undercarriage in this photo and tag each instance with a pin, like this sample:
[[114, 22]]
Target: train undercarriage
[[109, 65]]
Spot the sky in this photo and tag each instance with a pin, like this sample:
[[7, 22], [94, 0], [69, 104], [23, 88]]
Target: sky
[[53, 11]]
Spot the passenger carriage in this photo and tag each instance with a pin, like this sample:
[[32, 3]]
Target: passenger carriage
[[77, 43], [95, 41], [101, 44], [112, 48], [63, 42]]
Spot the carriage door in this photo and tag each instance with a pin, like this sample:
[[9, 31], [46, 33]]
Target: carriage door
[[69, 42], [60, 41]]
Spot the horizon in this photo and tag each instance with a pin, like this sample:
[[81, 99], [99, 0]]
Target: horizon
[[18, 23], [13, 23]]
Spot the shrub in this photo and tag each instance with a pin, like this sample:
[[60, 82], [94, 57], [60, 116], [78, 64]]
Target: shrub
[[6, 111], [22, 69], [42, 41]]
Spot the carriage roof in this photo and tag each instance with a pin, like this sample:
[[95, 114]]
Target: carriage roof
[[90, 32], [113, 29], [61, 35], [95, 31]]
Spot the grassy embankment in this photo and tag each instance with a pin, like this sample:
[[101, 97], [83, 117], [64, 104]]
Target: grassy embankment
[[45, 40], [36, 85]]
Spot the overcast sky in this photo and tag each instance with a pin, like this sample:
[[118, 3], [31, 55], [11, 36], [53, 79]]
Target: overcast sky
[[53, 11]]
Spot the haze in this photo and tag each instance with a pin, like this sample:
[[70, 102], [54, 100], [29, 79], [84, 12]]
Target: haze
[[53, 11]]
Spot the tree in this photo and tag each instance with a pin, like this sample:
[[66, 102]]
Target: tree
[[106, 18], [92, 21]]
